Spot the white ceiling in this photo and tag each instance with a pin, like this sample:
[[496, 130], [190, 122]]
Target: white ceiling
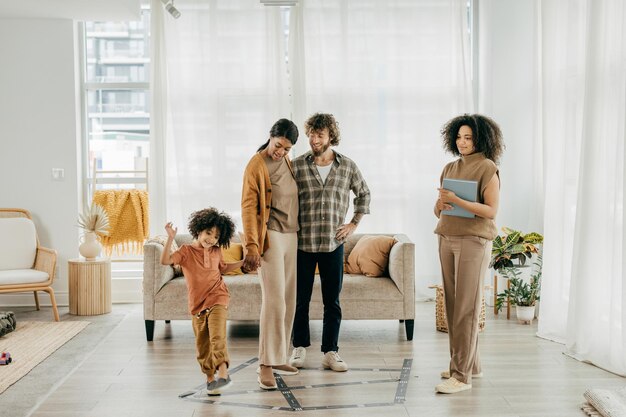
[[110, 10]]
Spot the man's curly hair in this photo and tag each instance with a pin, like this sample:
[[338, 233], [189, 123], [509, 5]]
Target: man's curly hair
[[486, 135], [209, 218], [320, 121]]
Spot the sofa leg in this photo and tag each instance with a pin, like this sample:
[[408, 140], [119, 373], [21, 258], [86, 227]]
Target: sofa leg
[[149, 330], [167, 322], [409, 325]]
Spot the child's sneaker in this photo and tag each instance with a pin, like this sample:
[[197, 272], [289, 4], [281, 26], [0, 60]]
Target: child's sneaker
[[220, 384]]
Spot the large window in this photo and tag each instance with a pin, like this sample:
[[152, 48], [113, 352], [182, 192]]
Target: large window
[[116, 96]]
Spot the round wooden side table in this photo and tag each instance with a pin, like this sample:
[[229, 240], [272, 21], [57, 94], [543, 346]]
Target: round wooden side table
[[89, 286]]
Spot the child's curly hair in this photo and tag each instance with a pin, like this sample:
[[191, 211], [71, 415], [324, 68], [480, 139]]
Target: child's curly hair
[[486, 135], [320, 121], [209, 218]]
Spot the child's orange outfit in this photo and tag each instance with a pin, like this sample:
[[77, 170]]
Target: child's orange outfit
[[208, 303]]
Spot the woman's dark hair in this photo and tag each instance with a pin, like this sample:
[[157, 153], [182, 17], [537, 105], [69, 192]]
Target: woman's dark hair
[[486, 135], [321, 121], [209, 218], [284, 128]]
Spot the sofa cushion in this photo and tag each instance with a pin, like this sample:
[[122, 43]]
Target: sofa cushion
[[234, 253], [22, 276], [370, 256], [18, 247]]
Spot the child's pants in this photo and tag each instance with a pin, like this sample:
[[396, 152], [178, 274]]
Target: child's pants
[[464, 261], [209, 326]]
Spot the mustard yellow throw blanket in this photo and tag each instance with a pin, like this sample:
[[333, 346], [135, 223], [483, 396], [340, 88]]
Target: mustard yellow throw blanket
[[128, 220]]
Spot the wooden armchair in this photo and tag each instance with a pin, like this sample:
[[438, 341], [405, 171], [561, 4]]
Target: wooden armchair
[[24, 265]]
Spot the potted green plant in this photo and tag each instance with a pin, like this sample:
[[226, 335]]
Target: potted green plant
[[513, 245], [523, 295], [509, 253]]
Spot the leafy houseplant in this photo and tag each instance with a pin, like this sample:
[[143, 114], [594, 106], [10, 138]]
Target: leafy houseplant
[[513, 245], [521, 293], [516, 246]]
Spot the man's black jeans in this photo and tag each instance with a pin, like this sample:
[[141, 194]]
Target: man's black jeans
[[331, 274]]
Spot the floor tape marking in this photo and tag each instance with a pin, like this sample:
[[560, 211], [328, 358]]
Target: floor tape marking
[[404, 381], [199, 395], [289, 397]]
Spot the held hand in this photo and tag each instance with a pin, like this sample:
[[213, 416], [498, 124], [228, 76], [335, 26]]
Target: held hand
[[171, 230], [344, 231], [447, 196], [251, 262]]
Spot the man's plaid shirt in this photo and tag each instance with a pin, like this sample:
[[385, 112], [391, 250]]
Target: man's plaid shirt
[[323, 206]]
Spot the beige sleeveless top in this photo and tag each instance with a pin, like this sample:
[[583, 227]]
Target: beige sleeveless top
[[284, 205], [474, 167]]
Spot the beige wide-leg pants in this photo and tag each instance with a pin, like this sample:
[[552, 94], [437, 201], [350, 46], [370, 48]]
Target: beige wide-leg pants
[[464, 261], [278, 288]]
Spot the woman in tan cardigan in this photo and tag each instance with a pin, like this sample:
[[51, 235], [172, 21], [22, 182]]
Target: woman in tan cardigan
[[269, 210], [465, 242]]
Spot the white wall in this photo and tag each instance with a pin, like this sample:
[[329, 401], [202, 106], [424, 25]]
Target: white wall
[[38, 131]]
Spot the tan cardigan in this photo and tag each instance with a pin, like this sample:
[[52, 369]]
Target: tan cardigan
[[256, 200]]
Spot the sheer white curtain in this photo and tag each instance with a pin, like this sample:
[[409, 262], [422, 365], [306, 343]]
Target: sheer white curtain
[[392, 73], [222, 86], [584, 119]]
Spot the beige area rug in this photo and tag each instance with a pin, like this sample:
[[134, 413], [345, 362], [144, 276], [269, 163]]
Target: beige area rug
[[31, 343], [605, 402]]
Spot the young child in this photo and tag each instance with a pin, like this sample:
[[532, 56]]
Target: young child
[[203, 266]]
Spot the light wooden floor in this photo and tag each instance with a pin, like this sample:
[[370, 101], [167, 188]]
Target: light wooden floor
[[524, 375]]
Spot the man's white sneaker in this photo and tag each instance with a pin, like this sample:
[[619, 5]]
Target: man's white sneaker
[[297, 357], [333, 361], [452, 386], [446, 375]]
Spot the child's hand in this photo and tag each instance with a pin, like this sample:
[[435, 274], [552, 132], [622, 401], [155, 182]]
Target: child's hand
[[171, 230]]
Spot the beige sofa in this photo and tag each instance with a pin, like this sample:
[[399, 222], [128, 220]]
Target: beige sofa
[[362, 298]]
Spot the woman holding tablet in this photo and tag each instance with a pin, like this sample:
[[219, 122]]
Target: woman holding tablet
[[465, 241]]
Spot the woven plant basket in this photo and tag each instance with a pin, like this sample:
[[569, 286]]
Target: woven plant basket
[[441, 320]]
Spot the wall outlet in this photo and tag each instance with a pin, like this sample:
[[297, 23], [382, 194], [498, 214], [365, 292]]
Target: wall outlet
[[58, 174]]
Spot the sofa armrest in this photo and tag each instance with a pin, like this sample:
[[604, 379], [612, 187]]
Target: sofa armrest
[[45, 261], [155, 275], [402, 271]]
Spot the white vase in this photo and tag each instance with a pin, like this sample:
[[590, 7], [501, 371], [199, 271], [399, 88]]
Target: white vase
[[90, 247], [525, 314]]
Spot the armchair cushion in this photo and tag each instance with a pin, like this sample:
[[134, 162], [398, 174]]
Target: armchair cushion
[[18, 250], [22, 276]]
